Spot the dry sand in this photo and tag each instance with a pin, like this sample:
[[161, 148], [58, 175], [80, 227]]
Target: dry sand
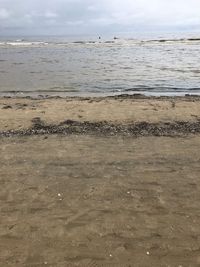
[[18, 113], [97, 200]]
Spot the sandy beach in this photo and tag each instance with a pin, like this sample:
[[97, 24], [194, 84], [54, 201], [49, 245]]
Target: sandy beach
[[100, 181]]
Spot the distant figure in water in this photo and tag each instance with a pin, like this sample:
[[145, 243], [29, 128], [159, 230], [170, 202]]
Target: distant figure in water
[[115, 38], [99, 37]]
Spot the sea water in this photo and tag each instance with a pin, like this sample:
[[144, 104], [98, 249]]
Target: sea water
[[93, 66]]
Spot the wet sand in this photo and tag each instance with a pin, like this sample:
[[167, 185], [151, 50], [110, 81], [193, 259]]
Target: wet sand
[[93, 199]]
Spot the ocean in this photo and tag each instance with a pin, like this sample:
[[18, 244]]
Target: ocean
[[60, 66]]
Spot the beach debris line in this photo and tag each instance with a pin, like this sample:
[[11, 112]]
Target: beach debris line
[[104, 128], [7, 107]]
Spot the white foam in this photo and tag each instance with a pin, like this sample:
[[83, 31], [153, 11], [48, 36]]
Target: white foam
[[24, 43]]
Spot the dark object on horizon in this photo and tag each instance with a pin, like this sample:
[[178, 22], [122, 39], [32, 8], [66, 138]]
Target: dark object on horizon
[[115, 38], [99, 37], [193, 39]]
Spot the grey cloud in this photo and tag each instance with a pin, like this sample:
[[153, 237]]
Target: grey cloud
[[4, 14], [69, 16]]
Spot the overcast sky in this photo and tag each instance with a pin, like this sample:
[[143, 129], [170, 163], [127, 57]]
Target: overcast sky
[[90, 16]]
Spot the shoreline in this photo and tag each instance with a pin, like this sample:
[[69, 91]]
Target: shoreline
[[90, 95]]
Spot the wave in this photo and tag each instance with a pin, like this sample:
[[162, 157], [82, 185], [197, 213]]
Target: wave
[[161, 89], [122, 42], [152, 91], [197, 39], [23, 43], [42, 91]]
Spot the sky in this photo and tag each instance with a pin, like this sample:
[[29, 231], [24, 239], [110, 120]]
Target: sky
[[57, 17]]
